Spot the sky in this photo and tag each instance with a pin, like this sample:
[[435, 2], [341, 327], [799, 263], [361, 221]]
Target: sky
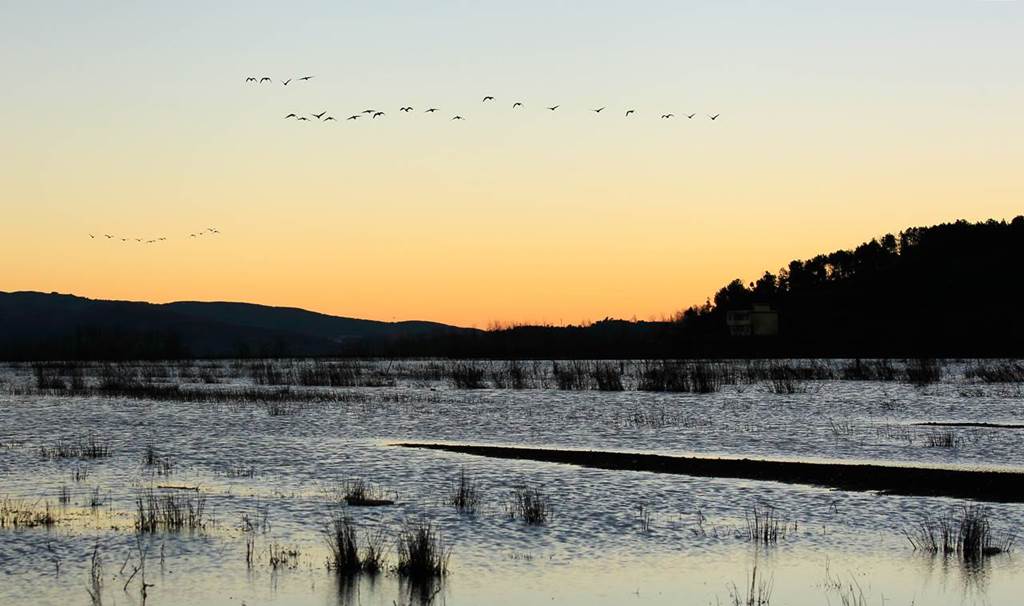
[[840, 121]]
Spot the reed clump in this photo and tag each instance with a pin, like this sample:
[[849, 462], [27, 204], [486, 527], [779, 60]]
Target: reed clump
[[88, 448], [421, 552], [465, 495], [530, 505], [156, 511], [18, 514], [765, 526], [466, 375], [967, 534]]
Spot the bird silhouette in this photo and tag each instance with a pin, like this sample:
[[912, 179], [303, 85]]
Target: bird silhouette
[[663, 116], [458, 118], [329, 118], [320, 115], [124, 239], [368, 111], [291, 116], [630, 111], [265, 79], [553, 108], [250, 79], [285, 82], [517, 104], [431, 110], [488, 98], [405, 109], [92, 236], [304, 78], [690, 116], [714, 117], [598, 110], [355, 117], [304, 118], [378, 114], [107, 236]]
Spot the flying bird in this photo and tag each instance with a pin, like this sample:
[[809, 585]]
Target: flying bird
[[291, 116], [355, 117], [285, 82], [458, 118], [92, 236], [405, 109], [714, 117], [250, 79], [630, 111], [553, 108], [369, 111], [377, 114], [663, 116], [329, 118], [265, 79], [431, 110], [690, 116], [306, 78], [320, 115], [517, 104], [488, 98], [107, 236], [303, 118], [598, 110]]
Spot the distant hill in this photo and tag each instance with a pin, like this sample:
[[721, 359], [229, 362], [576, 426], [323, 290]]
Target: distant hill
[[950, 290], [37, 325]]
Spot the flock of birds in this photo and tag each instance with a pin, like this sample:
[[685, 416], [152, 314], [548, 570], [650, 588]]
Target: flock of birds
[[269, 80], [209, 231], [373, 114]]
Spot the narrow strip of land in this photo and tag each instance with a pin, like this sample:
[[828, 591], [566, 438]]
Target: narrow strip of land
[[969, 424], [998, 486]]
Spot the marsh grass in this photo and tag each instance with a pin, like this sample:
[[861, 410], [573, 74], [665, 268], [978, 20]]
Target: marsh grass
[[999, 372], [465, 495], [573, 375], [19, 514], [467, 375], [530, 505], [358, 492], [943, 439], [95, 586], [765, 526], [607, 376], [90, 448], [345, 557], [169, 512], [688, 377], [868, 370], [756, 592], [967, 534], [421, 552], [923, 371], [280, 557]]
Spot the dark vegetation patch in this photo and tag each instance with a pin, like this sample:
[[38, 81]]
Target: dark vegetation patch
[[999, 486]]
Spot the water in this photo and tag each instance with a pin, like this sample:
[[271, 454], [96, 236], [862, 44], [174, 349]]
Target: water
[[594, 549]]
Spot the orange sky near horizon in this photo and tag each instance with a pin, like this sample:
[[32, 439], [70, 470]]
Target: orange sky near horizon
[[838, 124]]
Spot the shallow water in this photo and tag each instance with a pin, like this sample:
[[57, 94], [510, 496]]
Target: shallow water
[[592, 550]]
